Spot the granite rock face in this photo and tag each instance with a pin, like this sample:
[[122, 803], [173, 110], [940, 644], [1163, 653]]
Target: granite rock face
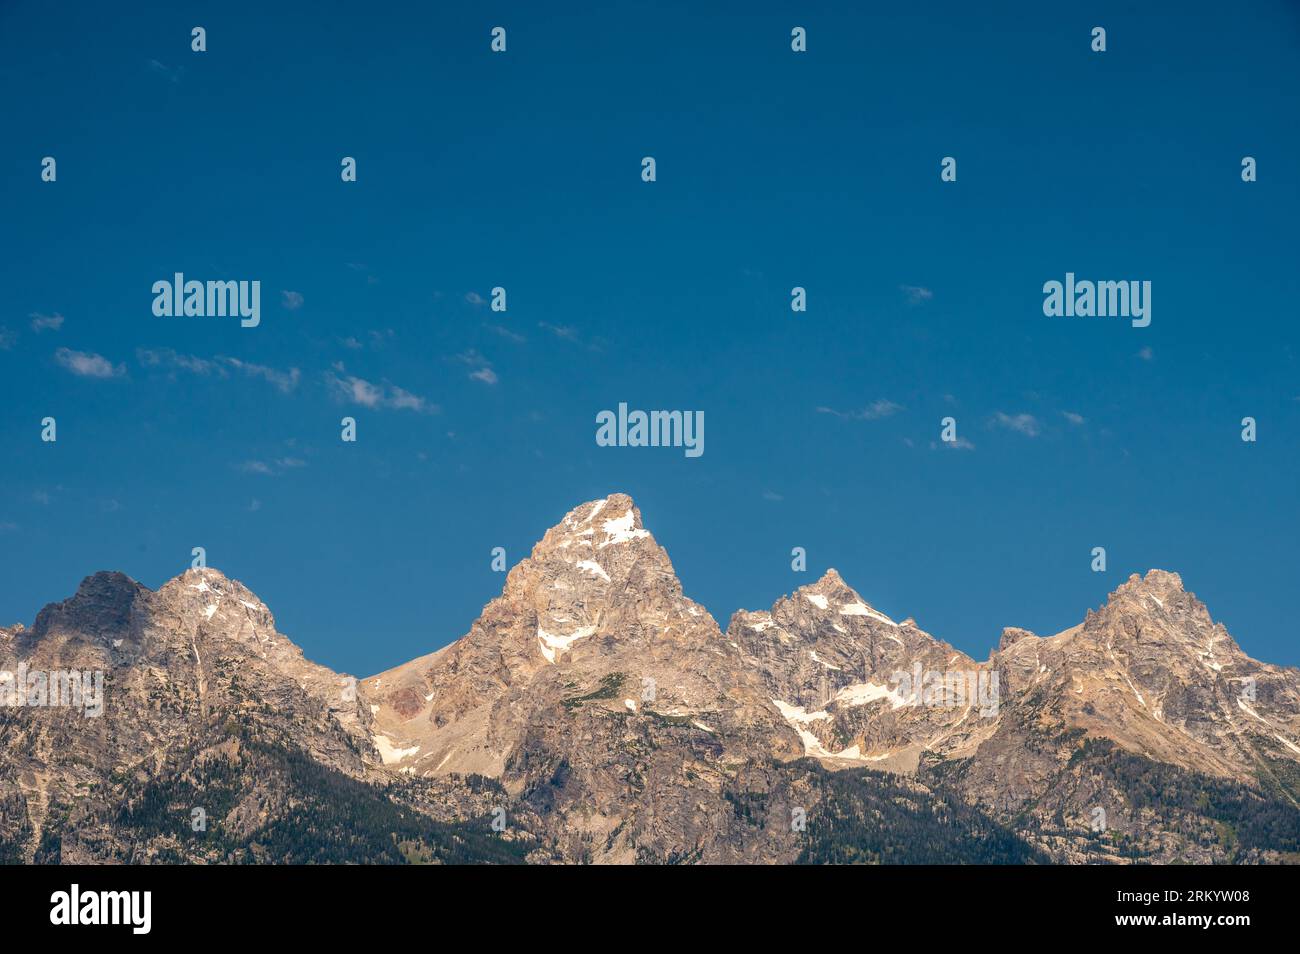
[[177, 670], [597, 693]]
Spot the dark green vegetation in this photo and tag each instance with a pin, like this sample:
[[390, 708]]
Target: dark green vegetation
[[1213, 812], [609, 687], [264, 803], [1152, 808], [15, 830], [862, 817]]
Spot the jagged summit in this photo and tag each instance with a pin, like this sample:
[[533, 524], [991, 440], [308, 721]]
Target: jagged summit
[[210, 580], [831, 594], [1158, 600], [596, 610], [1160, 584], [106, 601], [1155, 581], [102, 580], [828, 597], [1157, 576], [597, 524], [102, 604], [1012, 635]]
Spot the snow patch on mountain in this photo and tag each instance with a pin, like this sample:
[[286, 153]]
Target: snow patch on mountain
[[818, 659], [622, 530], [865, 692], [389, 752], [552, 645], [798, 714], [862, 609], [594, 568]]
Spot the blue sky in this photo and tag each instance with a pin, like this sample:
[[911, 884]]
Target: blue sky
[[774, 170]]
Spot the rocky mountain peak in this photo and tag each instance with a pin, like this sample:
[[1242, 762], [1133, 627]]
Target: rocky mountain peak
[[831, 595], [831, 578], [595, 526], [599, 568], [1155, 581], [208, 586], [101, 605], [596, 605], [1154, 601], [1012, 635]]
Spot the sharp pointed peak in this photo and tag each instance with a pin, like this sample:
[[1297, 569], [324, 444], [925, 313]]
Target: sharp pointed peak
[[197, 581], [1163, 579], [1159, 583], [831, 583], [107, 578], [611, 505], [831, 590], [1013, 634], [102, 600], [611, 519], [207, 576], [205, 571]]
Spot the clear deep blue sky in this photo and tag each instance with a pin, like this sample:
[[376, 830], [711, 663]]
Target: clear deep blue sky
[[774, 170]]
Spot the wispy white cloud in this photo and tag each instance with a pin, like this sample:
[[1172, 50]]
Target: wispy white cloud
[[357, 390], [351, 389], [872, 412], [565, 332], [572, 335], [291, 300], [285, 381], [171, 73], [87, 364], [401, 399], [507, 334], [220, 367], [1025, 424], [475, 299], [915, 294], [45, 322], [1145, 353], [480, 367], [172, 360], [375, 339], [272, 468], [1074, 418], [363, 269], [958, 443]]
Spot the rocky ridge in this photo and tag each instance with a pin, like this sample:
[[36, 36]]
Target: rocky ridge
[[607, 716]]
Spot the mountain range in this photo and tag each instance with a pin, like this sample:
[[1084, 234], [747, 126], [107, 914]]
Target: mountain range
[[594, 713]]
